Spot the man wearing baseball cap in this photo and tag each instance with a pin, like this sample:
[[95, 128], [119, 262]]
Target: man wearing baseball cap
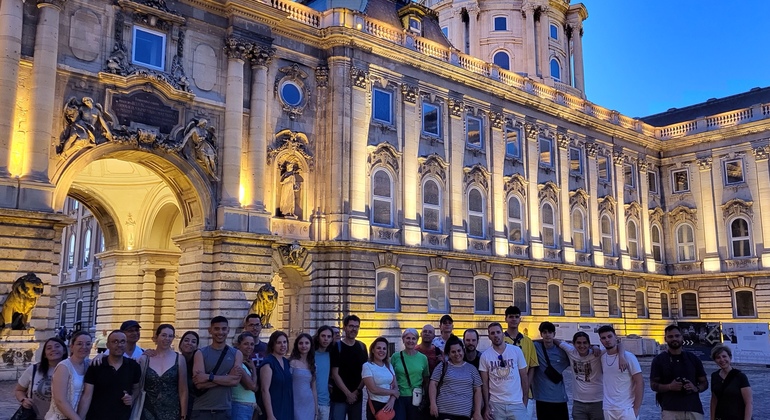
[[131, 329]]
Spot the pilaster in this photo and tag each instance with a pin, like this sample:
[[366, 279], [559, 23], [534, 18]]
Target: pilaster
[[337, 193], [565, 229], [706, 193], [592, 175], [455, 138], [618, 158], [229, 214], [644, 234], [496, 153], [359, 136], [528, 14], [532, 133], [543, 46], [761, 153], [410, 178]]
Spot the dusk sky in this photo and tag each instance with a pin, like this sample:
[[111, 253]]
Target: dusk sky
[[643, 57]]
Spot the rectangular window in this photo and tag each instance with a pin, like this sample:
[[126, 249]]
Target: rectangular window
[[512, 142], [546, 152], [554, 300], [437, 299], [629, 180], [680, 180], [602, 165], [612, 303], [689, 305], [431, 120], [652, 182], [382, 106], [501, 23], [415, 25], [586, 308], [665, 310], [744, 303], [575, 161], [733, 171], [641, 304], [386, 299], [482, 296], [149, 49], [521, 296], [474, 135]]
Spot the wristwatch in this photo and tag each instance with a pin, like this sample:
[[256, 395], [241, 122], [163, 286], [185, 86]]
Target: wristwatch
[[211, 377]]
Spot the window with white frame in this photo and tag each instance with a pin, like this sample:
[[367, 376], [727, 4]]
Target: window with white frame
[[629, 179], [431, 119], [548, 228], [632, 239], [382, 106], [554, 299], [515, 221], [554, 31], [86, 248], [501, 23], [680, 180], [575, 161], [431, 206], [482, 295], [586, 306], [657, 244], [521, 296], [386, 298], [745, 305], [578, 230], [382, 198], [733, 171], [665, 308], [546, 152], [149, 49], [71, 252], [63, 314], [605, 229], [685, 243], [513, 142], [641, 304], [79, 311], [740, 239], [415, 25], [474, 135], [476, 213], [652, 182], [612, 303], [603, 168], [555, 69], [502, 59], [689, 304], [437, 293]]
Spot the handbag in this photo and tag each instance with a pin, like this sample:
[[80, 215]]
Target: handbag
[[136, 410], [27, 413], [382, 414], [199, 392], [552, 374]]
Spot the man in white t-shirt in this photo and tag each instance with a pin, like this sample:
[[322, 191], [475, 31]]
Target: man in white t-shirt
[[623, 388], [504, 382]]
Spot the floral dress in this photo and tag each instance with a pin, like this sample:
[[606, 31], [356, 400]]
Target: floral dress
[[161, 401]]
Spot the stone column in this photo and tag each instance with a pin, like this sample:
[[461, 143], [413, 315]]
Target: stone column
[[496, 153], [473, 31], [577, 57], [253, 184], [531, 131], [11, 14], [645, 241], [529, 39], [543, 46], [359, 133], [568, 253], [456, 30], [146, 305], [233, 142], [41, 107], [337, 137], [455, 138], [761, 154], [412, 198], [711, 260], [620, 212], [592, 175]]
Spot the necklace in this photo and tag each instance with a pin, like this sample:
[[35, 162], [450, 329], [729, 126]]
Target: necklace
[[613, 361]]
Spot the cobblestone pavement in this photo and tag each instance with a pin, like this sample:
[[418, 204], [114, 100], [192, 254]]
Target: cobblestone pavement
[[758, 377]]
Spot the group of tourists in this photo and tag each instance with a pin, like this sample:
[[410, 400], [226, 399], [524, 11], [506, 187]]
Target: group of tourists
[[335, 376]]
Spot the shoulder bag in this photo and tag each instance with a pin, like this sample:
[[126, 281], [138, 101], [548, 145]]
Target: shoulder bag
[[197, 391], [27, 413], [417, 393], [552, 374], [382, 414], [136, 410]]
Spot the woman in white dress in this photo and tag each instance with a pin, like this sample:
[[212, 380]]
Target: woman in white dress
[[67, 383]]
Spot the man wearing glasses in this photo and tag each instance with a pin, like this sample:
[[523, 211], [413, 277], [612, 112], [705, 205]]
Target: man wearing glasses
[[253, 324], [504, 381]]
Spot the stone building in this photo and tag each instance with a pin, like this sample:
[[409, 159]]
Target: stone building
[[382, 158]]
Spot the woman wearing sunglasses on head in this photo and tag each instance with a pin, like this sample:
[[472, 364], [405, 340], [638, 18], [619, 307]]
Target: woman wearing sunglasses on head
[[455, 386]]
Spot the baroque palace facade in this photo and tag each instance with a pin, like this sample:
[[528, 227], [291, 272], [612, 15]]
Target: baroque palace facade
[[390, 159]]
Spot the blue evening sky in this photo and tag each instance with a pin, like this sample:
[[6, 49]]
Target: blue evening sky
[[642, 57]]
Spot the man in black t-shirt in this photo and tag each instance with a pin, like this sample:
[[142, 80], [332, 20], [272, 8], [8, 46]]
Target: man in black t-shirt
[[109, 387], [471, 340], [347, 358]]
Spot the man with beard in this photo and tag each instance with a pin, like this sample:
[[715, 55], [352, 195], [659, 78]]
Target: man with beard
[[504, 381], [346, 359], [427, 348], [471, 340], [216, 370], [677, 377]]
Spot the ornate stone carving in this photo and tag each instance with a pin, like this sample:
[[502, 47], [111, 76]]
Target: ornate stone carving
[[704, 163], [497, 120], [578, 198], [203, 141], [478, 175], [548, 191], [644, 166], [384, 154], [591, 149], [296, 76], [291, 183], [433, 165], [607, 204], [456, 107], [683, 214], [236, 48], [618, 157], [261, 56], [289, 143], [478, 245], [359, 77], [531, 131], [656, 215], [737, 207], [17, 309], [265, 303], [85, 125], [322, 76], [633, 211], [742, 264], [563, 140], [385, 234], [761, 152], [438, 264], [409, 93], [515, 184], [435, 240], [293, 254]]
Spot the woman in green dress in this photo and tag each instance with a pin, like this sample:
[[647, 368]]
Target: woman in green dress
[[165, 379]]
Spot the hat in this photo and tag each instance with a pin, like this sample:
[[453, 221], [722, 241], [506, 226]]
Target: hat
[[129, 324]]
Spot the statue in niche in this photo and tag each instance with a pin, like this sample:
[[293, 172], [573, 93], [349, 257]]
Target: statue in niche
[[203, 140], [291, 181], [84, 122], [17, 309], [265, 303]]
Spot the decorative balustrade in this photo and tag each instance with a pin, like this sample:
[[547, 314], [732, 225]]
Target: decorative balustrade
[[728, 118], [766, 110], [512, 79], [298, 12], [474, 64], [431, 49], [677, 130], [386, 32]]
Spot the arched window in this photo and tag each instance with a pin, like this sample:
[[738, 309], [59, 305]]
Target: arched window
[[689, 304], [431, 206], [578, 230], [502, 59], [515, 221], [605, 228], [382, 198], [71, 252], [437, 293], [548, 228], [657, 244], [386, 298], [63, 314], [740, 240], [641, 304], [665, 308], [612, 303], [476, 213], [555, 69], [586, 308], [632, 235], [554, 299], [79, 310], [685, 243], [482, 294], [521, 296], [87, 248], [744, 303]]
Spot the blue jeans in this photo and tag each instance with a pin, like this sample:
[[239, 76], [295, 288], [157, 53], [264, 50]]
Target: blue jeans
[[242, 411], [340, 409]]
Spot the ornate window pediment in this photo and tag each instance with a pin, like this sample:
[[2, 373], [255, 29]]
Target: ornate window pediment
[[737, 207], [433, 165], [516, 184], [578, 198], [548, 191], [478, 175], [682, 214], [607, 204], [384, 154], [656, 215], [289, 142], [633, 210]]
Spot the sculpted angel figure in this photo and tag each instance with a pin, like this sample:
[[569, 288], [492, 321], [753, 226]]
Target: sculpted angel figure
[[84, 120], [202, 138], [290, 184]]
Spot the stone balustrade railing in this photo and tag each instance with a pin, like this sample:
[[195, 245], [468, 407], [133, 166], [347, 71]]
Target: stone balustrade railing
[[570, 96]]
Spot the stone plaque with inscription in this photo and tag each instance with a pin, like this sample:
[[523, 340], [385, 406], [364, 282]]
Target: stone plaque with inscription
[[146, 109]]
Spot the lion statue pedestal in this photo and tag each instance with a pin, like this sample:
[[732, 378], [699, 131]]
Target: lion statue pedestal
[[17, 351], [17, 340]]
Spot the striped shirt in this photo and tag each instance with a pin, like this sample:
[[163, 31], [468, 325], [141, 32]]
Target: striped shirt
[[455, 397]]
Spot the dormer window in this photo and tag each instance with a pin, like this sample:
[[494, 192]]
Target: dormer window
[[415, 25]]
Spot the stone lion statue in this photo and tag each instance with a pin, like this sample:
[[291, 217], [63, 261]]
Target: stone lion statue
[[17, 309], [265, 303]]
